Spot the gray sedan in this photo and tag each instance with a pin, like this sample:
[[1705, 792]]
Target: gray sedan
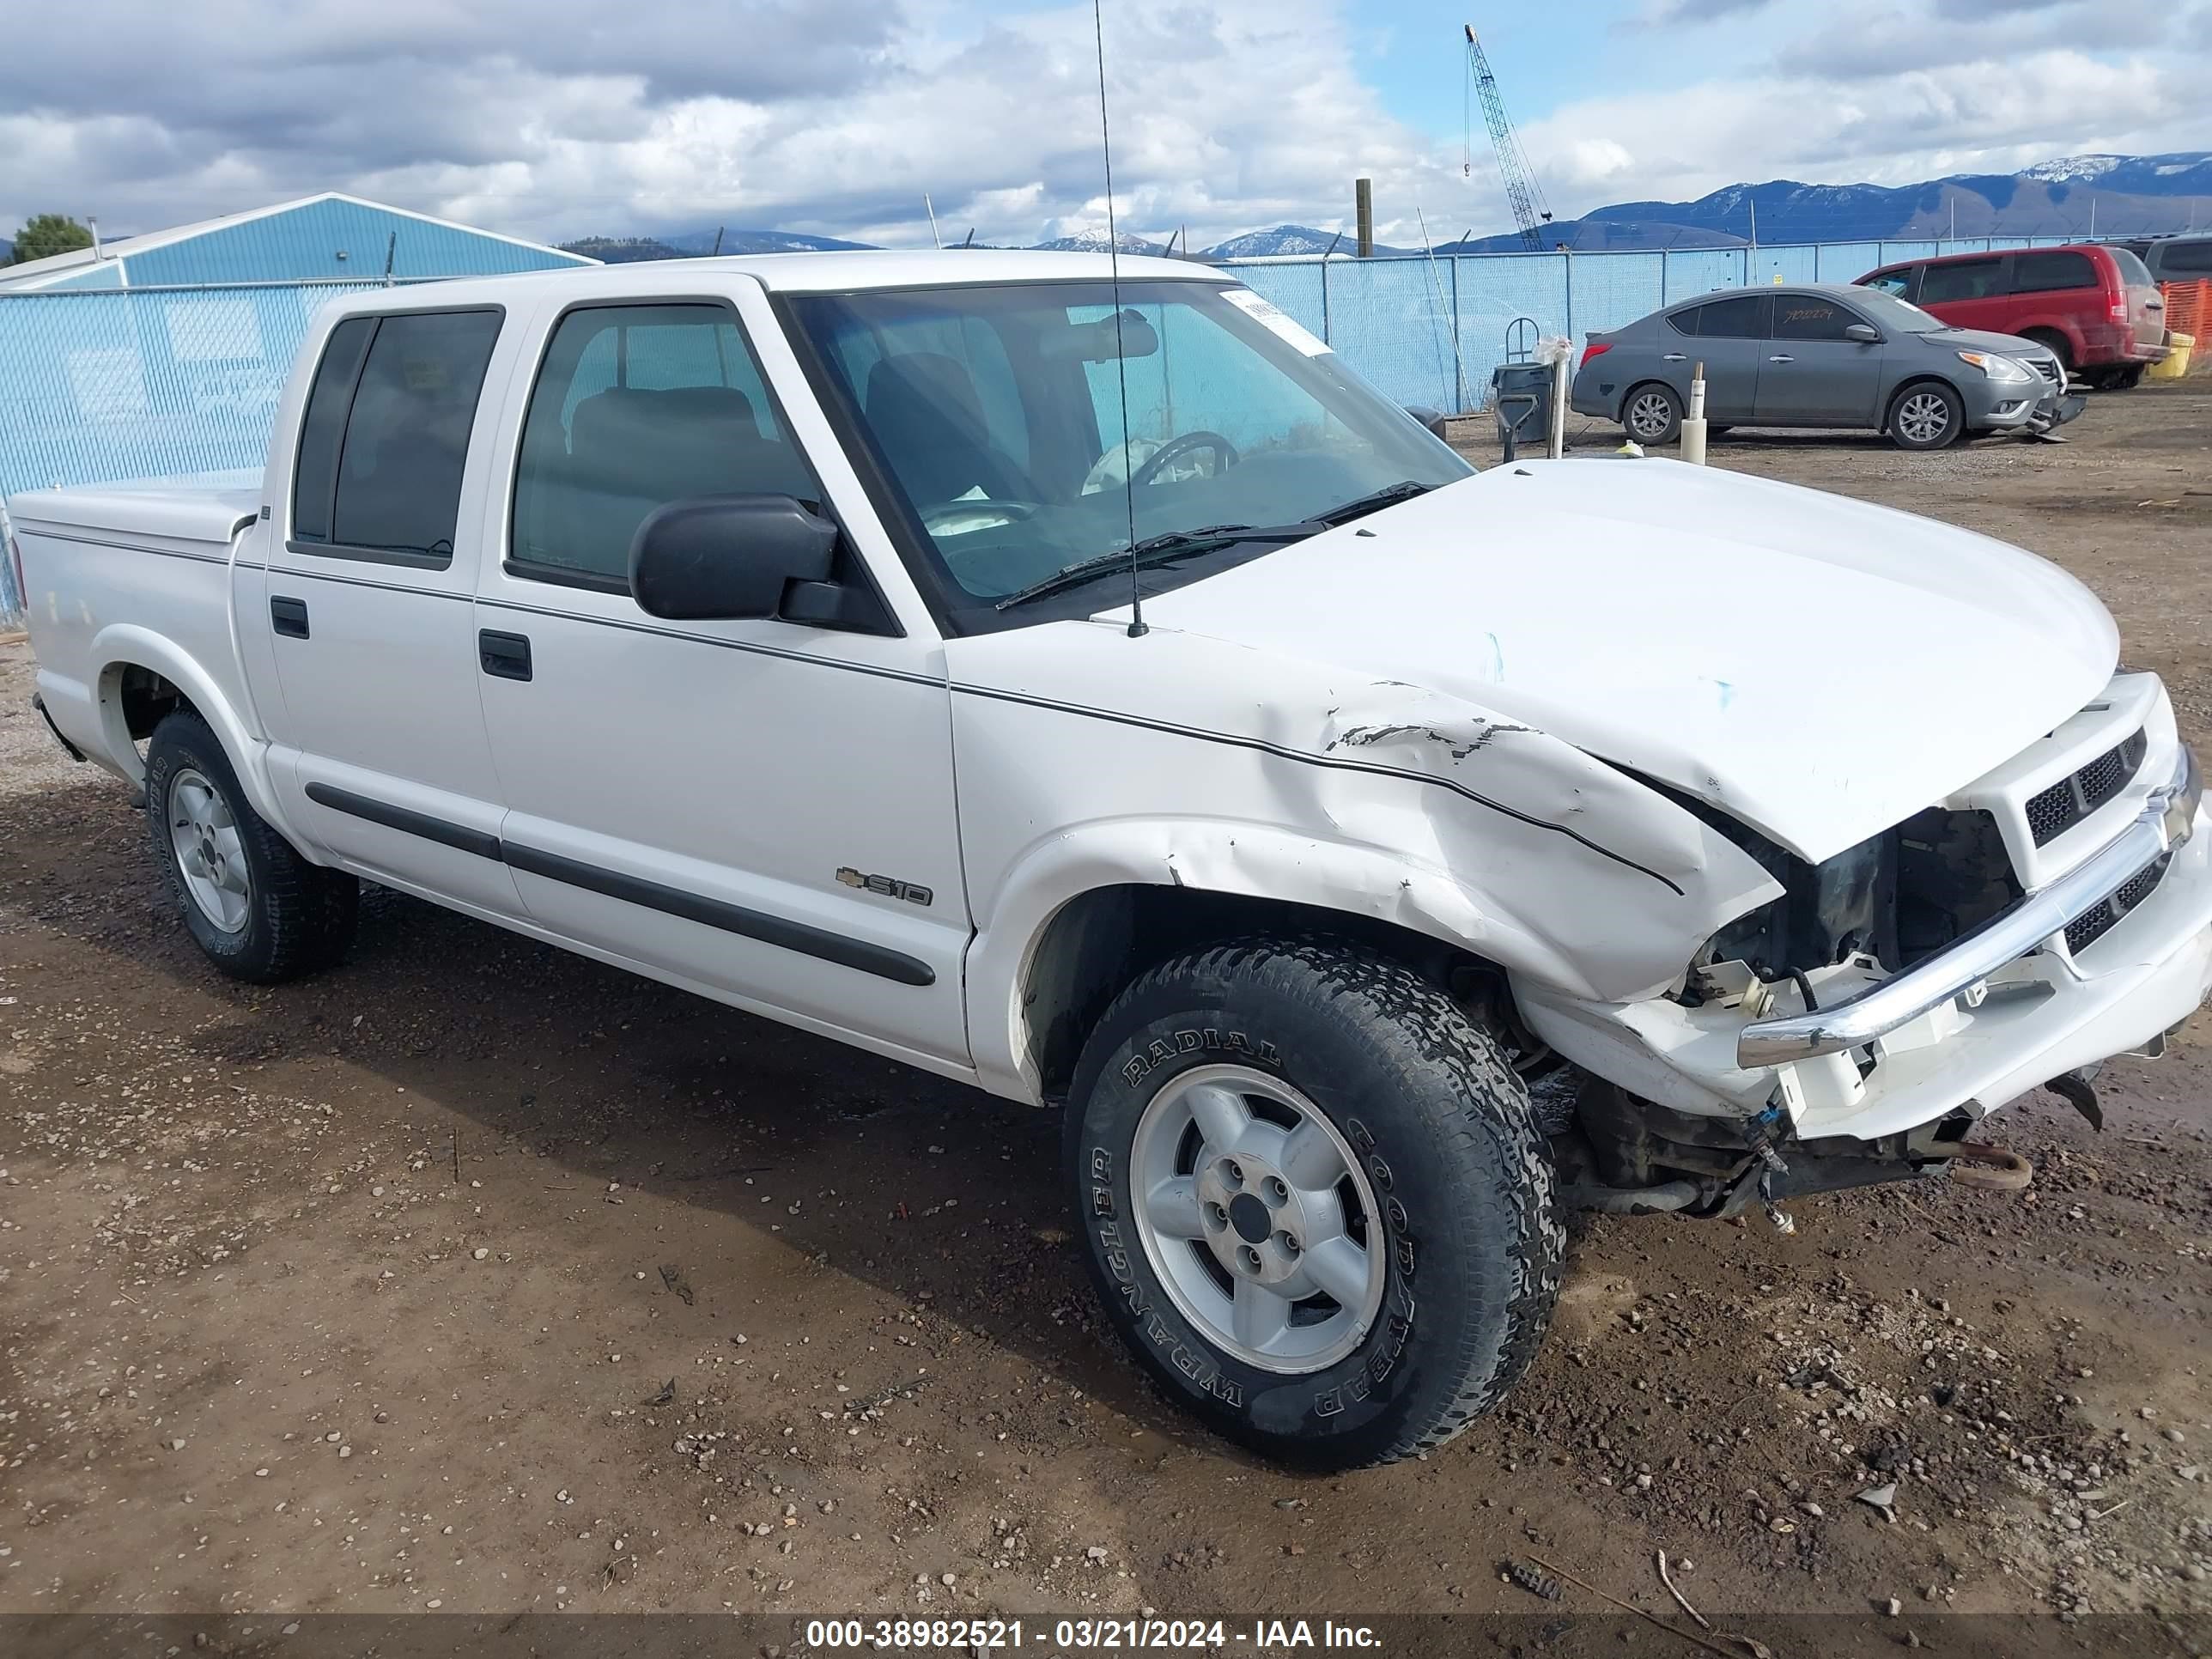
[[1822, 355]]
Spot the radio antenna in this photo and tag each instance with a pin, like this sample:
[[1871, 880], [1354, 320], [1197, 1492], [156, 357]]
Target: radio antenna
[[1121, 364]]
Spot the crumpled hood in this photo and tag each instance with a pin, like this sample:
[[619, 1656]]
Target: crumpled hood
[[1817, 667]]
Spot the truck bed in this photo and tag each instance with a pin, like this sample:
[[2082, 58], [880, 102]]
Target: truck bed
[[151, 564]]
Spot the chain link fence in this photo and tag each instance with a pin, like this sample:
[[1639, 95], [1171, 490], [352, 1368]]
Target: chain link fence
[[107, 386], [1428, 331]]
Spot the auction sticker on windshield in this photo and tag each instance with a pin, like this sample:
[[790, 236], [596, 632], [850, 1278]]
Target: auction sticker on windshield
[[1278, 321]]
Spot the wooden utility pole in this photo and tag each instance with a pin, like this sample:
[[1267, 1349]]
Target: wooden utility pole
[[1362, 199]]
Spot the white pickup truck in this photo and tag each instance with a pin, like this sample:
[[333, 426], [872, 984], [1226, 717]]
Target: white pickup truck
[[766, 626]]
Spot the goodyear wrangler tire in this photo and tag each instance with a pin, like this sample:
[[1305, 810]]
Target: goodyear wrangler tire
[[1314, 1199]]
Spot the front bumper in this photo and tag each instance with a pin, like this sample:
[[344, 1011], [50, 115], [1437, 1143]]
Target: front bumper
[[1989, 1018], [2038, 405], [2166, 822]]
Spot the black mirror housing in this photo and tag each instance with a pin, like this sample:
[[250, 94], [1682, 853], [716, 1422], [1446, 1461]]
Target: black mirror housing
[[1864, 333], [1434, 419], [1125, 336], [723, 558]]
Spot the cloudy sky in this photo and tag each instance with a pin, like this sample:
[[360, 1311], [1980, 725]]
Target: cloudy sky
[[554, 118]]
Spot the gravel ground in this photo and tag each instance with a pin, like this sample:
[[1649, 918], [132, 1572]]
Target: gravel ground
[[477, 1277]]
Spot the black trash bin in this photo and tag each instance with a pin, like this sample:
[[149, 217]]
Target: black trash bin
[[1520, 394]]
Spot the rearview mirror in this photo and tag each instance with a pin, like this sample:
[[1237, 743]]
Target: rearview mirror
[[1864, 333], [720, 558], [1101, 341]]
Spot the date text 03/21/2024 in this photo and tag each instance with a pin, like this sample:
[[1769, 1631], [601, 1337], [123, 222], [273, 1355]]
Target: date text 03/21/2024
[[1085, 1634]]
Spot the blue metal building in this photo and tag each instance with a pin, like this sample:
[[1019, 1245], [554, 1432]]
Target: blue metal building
[[316, 238]]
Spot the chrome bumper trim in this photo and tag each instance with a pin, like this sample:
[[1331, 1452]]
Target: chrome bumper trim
[[2163, 825]]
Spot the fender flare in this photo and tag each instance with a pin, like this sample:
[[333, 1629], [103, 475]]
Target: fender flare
[[122, 645], [1246, 860]]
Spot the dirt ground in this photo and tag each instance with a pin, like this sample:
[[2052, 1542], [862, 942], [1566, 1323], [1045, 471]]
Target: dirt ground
[[478, 1277]]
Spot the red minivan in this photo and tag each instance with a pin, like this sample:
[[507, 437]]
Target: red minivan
[[2096, 307]]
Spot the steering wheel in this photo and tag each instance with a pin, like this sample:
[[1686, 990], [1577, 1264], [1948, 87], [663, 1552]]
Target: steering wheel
[[1225, 455]]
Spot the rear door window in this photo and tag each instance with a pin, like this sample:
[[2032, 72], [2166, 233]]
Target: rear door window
[[1964, 279], [400, 411], [1740, 316], [2183, 260], [1811, 317], [2053, 272], [322, 429]]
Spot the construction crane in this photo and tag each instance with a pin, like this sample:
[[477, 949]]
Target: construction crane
[[1530, 210]]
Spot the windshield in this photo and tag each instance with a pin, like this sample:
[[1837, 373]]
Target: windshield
[[996, 416], [1891, 312]]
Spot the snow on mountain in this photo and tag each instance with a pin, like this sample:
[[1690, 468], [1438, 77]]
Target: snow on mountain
[[1092, 239], [1280, 240], [2074, 169]]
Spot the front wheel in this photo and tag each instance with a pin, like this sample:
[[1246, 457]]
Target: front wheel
[[258, 909], [1926, 415], [1314, 1199]]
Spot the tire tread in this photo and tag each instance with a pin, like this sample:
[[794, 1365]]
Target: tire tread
[[1409, 1019], [303, 914]]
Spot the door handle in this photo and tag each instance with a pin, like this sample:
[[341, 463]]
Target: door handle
[[288, 616], [1672, 357], [1781, 360], [504, 656]]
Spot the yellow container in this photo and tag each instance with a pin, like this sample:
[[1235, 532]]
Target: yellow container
[[2175, 363]]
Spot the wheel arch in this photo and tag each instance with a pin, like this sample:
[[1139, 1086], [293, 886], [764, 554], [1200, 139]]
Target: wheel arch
[[1103, 939], [142, 677], [1101, 905], [2059, 328]]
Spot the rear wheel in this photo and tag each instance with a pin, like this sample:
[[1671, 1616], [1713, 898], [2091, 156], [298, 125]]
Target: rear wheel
[[1652, 413], [1314, 1199], [1926, 415], [257, 909]]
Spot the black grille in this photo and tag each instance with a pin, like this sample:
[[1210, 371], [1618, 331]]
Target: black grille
[[2085, 930], [2070, 799], [2047, 368]]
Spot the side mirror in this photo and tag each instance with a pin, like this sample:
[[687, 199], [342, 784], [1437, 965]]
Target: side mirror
[[1864, 333], [720, 558], [1431, 418]]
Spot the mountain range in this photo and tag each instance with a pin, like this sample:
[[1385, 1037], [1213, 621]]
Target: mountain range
[[2072, 196]]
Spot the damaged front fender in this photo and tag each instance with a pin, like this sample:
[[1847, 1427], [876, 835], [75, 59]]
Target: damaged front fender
[[1367, 799], [1514, 769]]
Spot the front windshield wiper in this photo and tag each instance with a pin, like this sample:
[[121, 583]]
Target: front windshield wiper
[[1157, 550], [1182, 544], [1360, 506]]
